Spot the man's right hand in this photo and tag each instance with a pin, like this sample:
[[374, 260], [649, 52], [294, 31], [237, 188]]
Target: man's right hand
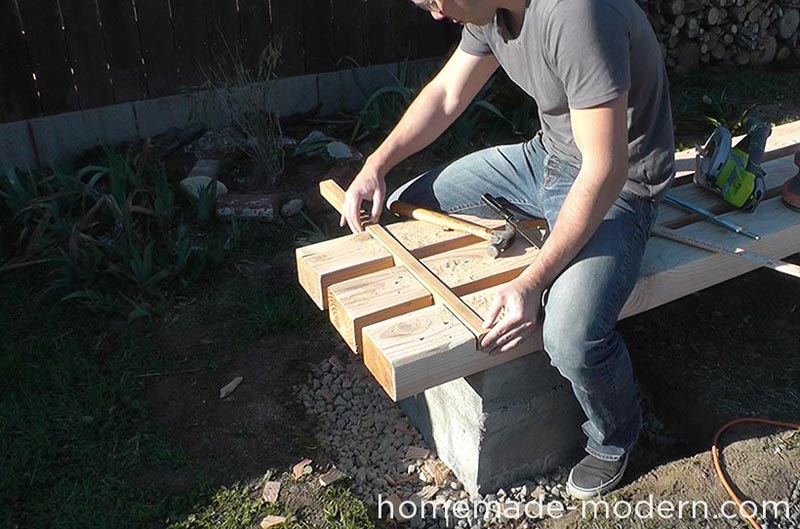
[[368, 185]]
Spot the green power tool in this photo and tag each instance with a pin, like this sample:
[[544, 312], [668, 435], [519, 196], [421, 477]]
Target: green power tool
[[734, 172]]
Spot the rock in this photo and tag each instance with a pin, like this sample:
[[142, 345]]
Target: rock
[[788, 24], [331, 476], [301, 468], [228, 389], [270, 491], [193, 186], [292, 207], [247, 206], [272, 521], [415, 452]]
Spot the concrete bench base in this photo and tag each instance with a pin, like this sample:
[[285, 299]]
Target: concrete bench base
[[502, 425]]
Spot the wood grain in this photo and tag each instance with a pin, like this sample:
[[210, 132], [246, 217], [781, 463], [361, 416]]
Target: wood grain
[[430, 347]]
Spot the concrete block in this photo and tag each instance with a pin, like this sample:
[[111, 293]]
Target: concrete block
[[510, 423], [329, 90], [357, 84], [16, 146], [62, 137], [156, 116], [294, 95]]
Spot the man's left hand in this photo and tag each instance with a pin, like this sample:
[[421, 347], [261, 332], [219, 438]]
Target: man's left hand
[[522, 304]]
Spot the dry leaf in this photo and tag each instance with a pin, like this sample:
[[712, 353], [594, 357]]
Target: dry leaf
[[270, 491], [228, 389], [331, 476], [300, 468], [272, 521]]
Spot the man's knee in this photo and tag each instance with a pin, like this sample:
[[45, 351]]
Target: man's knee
[[574, 341]]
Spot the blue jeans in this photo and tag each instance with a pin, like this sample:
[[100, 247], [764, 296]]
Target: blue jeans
[[582, 306]]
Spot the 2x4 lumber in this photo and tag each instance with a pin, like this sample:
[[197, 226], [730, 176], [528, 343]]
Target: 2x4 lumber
[[374, 297], [440, 292], [330, 262], [384, 294], [777, 172], [324, 264], [411, 353]]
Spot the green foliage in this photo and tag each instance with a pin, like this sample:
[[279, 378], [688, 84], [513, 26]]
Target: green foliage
[[499, 109], [720, 111], [112, 231], [246, 97]]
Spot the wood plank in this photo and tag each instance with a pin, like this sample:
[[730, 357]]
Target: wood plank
[[318, 36], [256, 32], [19, 100], [123, 49], [761, 260], [377, 33], [367, 299], [777, 172], [334, 194], [428, 347], [287, 27], [348, 33], [432, 35], [403, 16], [330, 262], [380, 294], [189, 18], [48, 54], [87, 53], [223, 36], [157, 47]]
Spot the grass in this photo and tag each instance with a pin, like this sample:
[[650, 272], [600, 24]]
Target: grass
[[74, 424]]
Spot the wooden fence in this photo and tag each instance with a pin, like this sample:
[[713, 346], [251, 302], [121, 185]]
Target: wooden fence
[[65, 55]]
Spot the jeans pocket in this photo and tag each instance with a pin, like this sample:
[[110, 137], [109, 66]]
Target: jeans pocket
[[557, 171]]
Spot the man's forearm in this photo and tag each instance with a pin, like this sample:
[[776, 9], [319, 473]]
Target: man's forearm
[[584, 208], [426, 119]]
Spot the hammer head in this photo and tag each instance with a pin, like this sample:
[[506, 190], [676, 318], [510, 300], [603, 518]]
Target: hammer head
[[501, 240]]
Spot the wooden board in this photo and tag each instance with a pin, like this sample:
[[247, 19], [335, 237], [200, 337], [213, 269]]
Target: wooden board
[[19, 100], [223, 35], [123, 50], [428, 347], [361, 301], [325, 264], [191, 41], [255, 31], [348, 33], [432, 283], [49, 58], [87, 52], [318, 36], [158, 47], [379, 295], [287, 27], [322, 265]]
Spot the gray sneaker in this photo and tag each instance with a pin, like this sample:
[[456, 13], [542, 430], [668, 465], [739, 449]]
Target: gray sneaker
[[593, 477]]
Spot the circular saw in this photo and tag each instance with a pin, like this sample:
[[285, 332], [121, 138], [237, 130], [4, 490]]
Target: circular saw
[[734, 172]]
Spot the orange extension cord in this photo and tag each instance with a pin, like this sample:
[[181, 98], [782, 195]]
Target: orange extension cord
[[715, 454]]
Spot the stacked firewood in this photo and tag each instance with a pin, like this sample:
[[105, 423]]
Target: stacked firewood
[[694, 32]]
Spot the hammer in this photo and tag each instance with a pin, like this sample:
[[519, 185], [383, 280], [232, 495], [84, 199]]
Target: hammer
[[499, 239]]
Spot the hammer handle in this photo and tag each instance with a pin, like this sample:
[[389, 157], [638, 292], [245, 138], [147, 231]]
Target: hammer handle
[[440, 219]]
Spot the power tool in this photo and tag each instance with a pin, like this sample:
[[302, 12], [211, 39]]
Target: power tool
[[734, 172], [791, 189]]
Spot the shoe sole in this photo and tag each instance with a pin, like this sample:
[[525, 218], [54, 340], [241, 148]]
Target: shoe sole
[[585, 494]]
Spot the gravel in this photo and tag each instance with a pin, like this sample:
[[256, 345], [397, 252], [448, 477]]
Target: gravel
[[368, 437]]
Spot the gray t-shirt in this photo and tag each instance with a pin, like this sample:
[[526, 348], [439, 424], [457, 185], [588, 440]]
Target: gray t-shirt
[[582, 53]]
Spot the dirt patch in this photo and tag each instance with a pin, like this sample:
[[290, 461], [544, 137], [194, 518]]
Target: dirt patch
[[763, 466]]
